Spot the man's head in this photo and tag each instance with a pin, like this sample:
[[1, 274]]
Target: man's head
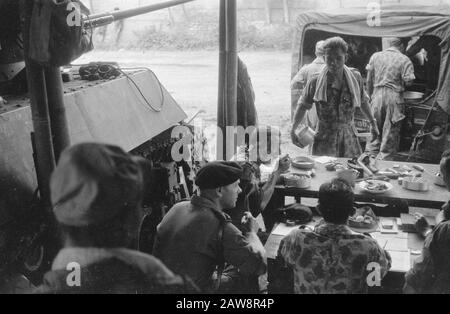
[[335, 54], [399, 43], [445, 168], [219, 181], [336, 201], [319, 48], [96, 193]]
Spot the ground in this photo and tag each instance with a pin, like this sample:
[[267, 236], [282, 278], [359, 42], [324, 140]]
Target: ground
[[192, 79]]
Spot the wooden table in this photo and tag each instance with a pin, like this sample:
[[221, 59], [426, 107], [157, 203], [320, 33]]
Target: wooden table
[[399, 255], [434, 198]]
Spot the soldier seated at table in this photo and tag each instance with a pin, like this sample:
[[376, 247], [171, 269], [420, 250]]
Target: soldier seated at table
[[96, 192], [196, 238], [332, 258], [431, 271]]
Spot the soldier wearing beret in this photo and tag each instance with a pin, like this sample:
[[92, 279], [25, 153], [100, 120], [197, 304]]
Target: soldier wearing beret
[[96, 193], [196, 237]]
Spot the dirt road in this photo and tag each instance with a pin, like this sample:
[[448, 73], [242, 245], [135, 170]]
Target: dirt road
[[192, 79]]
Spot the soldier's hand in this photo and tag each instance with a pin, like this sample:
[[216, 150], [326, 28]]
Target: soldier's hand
[[295, 140], [422, 225], [284, 164], [250, 223]]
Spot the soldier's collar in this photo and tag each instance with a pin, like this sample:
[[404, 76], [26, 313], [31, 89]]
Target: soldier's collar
[[203, 202]]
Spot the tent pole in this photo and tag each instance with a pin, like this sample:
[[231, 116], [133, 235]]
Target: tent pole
[[55, 93], [232, 71], [39, 111], [221, 108]]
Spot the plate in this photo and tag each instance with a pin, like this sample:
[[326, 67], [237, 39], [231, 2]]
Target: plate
[[362, 226], [365, 185], [302, 181], [373, 228]]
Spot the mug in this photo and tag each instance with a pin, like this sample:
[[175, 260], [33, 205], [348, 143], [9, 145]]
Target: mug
[[305, 136]]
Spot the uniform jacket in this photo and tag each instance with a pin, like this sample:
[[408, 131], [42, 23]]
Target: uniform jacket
[[188, 241]]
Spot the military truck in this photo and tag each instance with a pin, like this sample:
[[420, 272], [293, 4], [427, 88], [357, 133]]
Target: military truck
[[425, 132]]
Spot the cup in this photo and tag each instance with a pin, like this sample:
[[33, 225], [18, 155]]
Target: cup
[[305, 136]]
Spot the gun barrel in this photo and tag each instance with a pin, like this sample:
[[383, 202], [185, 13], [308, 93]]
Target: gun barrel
[[123, 14]]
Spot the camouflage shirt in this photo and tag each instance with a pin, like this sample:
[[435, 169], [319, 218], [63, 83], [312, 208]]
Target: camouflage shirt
[[431, 271], [390, 68], [331, 259]]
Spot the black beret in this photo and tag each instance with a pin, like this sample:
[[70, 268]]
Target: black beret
[[217, 174]]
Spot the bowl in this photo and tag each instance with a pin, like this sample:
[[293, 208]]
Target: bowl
[[303, 162], [297, 180], [415, 184], [305, 136]]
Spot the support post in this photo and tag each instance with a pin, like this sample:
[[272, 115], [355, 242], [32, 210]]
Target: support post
[[221, 116], [39, 110], [286, 11], [57, 110], [228, 67]]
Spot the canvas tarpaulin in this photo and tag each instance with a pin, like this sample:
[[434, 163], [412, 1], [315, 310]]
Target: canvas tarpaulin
[[393, 22]]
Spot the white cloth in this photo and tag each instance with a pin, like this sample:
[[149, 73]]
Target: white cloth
[[352, 81]]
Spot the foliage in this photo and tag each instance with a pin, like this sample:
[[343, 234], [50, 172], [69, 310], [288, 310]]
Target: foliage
[[202, 32]]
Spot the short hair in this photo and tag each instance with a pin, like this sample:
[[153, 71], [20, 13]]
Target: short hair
[[335, 43], [113, 233], [319, 48], [399, 42], [336, 200]]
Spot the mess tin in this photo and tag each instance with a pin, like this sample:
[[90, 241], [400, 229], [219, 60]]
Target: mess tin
[[416, 184], [305, 135]]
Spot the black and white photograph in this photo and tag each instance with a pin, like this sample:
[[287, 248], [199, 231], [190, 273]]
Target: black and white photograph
[[224, 154]]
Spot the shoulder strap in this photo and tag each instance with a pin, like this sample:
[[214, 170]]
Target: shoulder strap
[[221, 260]]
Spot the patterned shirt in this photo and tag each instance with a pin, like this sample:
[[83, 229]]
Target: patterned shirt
[[332, 259], [336, 132], [112, 271], [390, 68]]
